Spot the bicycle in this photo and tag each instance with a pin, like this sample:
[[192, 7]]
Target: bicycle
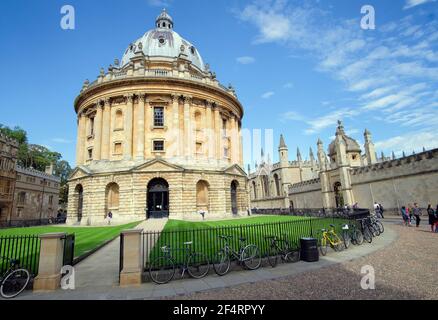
[[285, 252], [248, 255], [351, 234], [14, 280], [330, 238], [377, 224], [162, 269]]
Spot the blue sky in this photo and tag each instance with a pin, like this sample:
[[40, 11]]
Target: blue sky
[[297, 66]]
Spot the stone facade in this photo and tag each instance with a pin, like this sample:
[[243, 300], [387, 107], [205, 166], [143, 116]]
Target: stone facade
[[345, 176], [36, 195], [8, 160], [160, 120]]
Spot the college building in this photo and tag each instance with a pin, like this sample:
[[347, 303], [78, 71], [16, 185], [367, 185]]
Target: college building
[[345, 175]]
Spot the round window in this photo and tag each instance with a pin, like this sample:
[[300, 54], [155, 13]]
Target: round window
[[161, 40], [193, 50]]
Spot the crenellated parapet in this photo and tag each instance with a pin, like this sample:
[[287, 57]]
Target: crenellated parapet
[[305, 186], [421, 163]]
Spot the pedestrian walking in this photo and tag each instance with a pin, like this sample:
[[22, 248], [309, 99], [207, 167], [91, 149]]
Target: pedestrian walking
[[405, 216], [431, 214], [436, 219], [109, 217], [377, 209], [409, 211], [381, 210], [417, 213]]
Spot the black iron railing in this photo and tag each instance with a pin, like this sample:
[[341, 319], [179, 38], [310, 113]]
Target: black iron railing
[[32, 223], [25, 249], [207, 241]]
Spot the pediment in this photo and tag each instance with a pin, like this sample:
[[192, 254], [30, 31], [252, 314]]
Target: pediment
[[157, 165], [236, 170], [79, 172]]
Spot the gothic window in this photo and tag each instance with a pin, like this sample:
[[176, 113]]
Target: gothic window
[[277, 184], [255, 189], [50, 200], [158, 116], [90, 154], [91, 126], [265, 185]]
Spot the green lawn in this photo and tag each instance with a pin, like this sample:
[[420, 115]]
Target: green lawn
[[205, 235], [86, 238]]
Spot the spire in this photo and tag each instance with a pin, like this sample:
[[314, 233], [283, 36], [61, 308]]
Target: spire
[[262, 153], [404, 154], [282, 143], [312, 157], [424, 149], [340, 129], [393, 155], [298, 155], [383, 156], [249, 168], [319, 143]]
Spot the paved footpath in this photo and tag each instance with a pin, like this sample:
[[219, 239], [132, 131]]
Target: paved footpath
[[101, 269], [202, 288]]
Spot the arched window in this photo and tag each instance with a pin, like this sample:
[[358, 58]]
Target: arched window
[[265, 182], [202, 199], [112, 196], [255, 189], [79, 193], [119, 120], [277, 184]]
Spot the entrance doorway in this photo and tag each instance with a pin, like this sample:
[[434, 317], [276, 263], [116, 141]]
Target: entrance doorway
[[339, 199], [234, 185], [158, 199]]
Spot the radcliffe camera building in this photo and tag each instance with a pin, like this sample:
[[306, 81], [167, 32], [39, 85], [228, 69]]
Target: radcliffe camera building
[[158, 135]]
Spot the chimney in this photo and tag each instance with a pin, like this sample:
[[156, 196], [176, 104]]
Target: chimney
[[49, 169]]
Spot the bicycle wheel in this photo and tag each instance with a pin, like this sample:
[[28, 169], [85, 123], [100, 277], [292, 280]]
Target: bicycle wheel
[[367, 234], [222, 262], [198, 265], [293, 256], [323, 246], [346, 238], [358, 237], [380, 226], [273, 256], [162, 270], [251, 257], [14, 283]]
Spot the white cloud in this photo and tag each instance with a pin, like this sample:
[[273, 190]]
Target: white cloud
[[245, 60], [159, 3], [329, 120], [292, 115], [268, 94], [413, 3], [288, 85], [411, 141]]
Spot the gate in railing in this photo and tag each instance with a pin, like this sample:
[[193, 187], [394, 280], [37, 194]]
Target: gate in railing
[[69, 250], [25, 249]]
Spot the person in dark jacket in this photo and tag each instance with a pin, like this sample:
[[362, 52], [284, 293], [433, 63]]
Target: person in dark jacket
[[432, 217], [417, 213]]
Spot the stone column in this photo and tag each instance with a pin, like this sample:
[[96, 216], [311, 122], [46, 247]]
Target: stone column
[[209, 130], [177, 152], [140, 126], [106, 130], [187, 127], [98, 132], [240, 143], [218, 132], [132, 269], [127, 150], [234, 140], [80, 143], [50, 263]]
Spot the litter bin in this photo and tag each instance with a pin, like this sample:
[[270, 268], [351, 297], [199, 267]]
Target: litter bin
[[309, 249]]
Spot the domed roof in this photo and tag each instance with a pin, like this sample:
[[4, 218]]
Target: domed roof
[[350, 143], [163, 42]]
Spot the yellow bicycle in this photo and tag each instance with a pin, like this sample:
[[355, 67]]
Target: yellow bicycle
[[330, 238]]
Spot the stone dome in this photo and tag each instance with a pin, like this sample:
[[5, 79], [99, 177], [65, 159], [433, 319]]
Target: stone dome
[[165, 43], [351, 144]]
